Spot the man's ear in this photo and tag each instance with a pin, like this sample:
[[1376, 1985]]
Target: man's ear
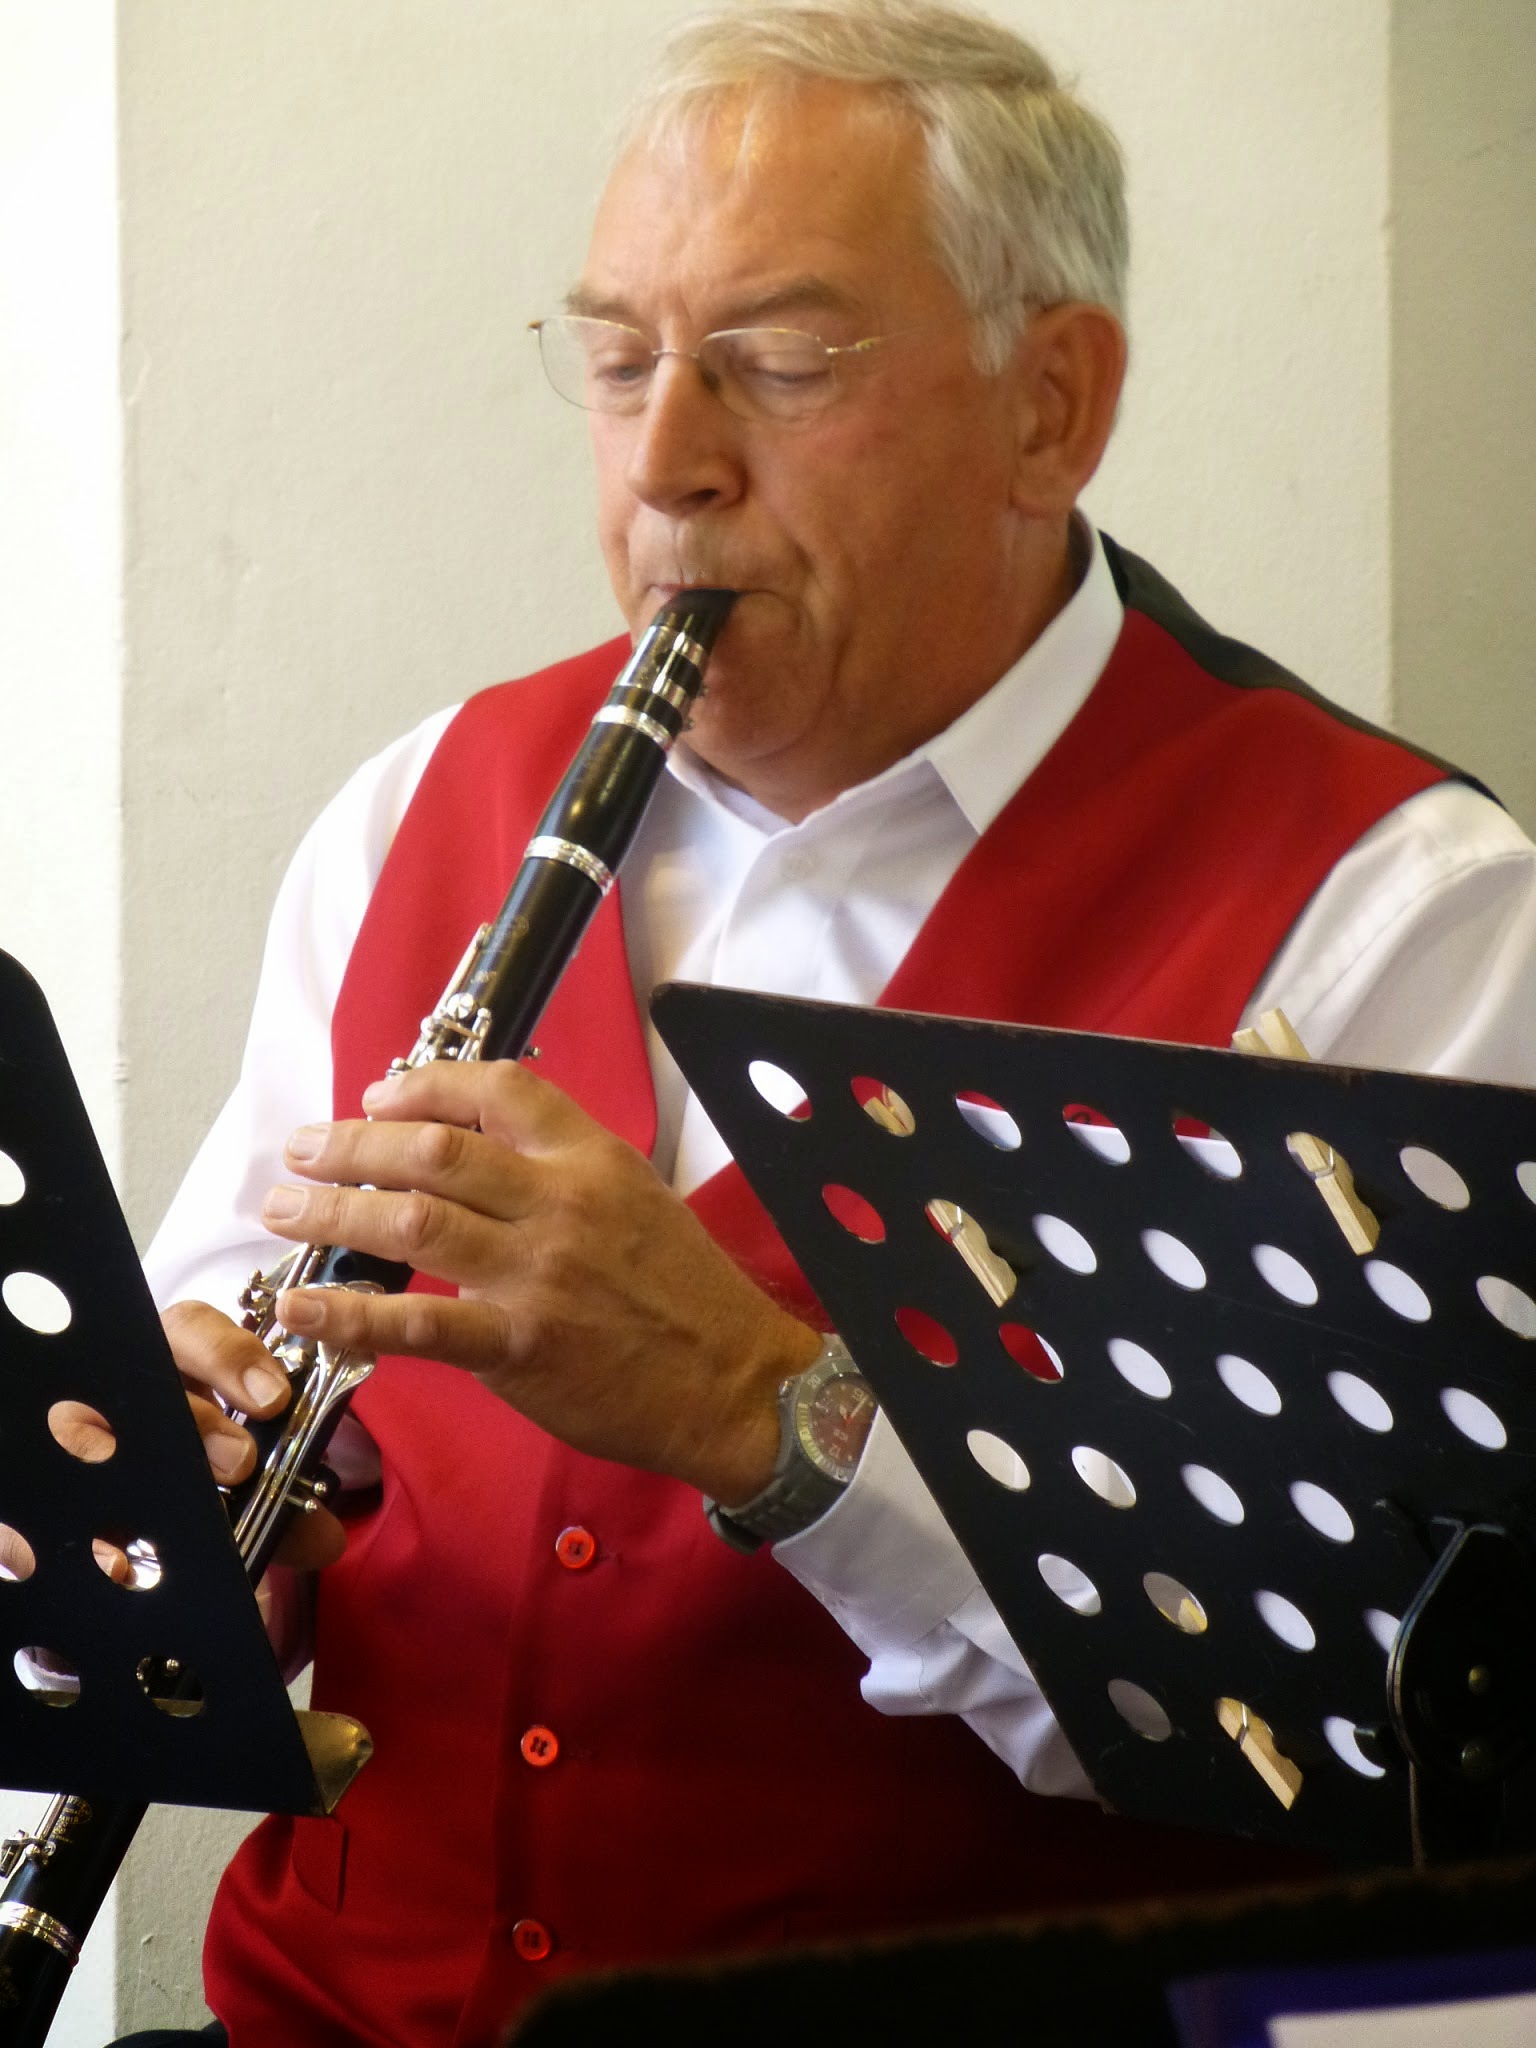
[[1069, 365]]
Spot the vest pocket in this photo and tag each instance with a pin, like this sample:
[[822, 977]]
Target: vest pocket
[[320, 1860]]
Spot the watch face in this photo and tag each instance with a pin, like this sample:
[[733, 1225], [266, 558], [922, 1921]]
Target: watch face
[[833, 1420]]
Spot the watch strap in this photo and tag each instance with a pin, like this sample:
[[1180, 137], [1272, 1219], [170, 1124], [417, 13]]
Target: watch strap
[[799, 1493]]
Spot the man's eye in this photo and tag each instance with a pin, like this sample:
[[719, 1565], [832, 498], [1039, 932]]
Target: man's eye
[[784, 369], [619, 370]]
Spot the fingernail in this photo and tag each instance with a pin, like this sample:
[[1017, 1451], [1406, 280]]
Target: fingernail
[[297, 1310], [283, 1204], [226, 1454], [262, 1386], [377, 1093], [306, 1141]]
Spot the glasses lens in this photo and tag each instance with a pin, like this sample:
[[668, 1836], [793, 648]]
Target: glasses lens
[[596, 363], [769, 372]]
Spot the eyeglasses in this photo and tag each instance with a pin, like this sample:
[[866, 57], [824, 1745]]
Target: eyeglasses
[[760, 373]]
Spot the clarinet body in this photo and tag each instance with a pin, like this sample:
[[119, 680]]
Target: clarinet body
[[57, 1877]]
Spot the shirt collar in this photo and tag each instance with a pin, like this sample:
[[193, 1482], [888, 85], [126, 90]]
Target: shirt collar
[[989, 750], [986, 753]]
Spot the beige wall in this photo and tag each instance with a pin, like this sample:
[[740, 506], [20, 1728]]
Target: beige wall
[[1463, 84]]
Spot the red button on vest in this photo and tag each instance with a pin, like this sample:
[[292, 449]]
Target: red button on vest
[[575, 1548], [540, 1746], [532, 1940]]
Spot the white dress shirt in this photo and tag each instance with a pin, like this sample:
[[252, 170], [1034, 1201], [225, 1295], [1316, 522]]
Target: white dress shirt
[[1418, 952]]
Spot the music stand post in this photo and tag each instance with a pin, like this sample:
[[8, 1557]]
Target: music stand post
[[1224, 1475], [163, 1687]]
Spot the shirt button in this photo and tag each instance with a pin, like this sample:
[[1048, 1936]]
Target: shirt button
[[575, 1548], [532, 1940], [540, 1746], [798, 867]]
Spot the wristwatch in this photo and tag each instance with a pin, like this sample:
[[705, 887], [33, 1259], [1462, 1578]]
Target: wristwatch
[[825, 1414]]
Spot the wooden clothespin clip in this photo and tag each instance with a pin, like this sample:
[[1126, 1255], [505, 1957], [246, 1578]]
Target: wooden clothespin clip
[[886, 1108], [1256, 1739], [1275, 1035], [973, 1245]]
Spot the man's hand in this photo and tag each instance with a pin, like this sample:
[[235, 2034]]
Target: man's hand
[[216, 1357], [590, 1298]]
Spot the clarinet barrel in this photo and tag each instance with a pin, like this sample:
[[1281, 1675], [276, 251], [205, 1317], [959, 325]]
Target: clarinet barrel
[[57, 1877]]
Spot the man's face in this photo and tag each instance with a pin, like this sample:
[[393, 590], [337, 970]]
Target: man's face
[[875, 543]]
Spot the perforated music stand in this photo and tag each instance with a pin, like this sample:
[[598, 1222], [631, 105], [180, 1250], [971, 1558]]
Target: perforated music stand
[[77, 1325], [1204, 1456]]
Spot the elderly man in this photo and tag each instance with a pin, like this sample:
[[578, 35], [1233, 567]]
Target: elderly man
[[849, 329]]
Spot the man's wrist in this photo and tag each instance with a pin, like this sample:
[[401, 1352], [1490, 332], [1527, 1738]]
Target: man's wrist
[[748, 1440], [824, 1414]]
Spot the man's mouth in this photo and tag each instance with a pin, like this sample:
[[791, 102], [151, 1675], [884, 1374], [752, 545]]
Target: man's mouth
[[664, 593]]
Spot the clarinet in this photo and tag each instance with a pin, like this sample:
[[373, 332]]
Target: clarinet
[[57, 1877]]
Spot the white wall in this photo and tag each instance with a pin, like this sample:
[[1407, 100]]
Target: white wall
[[1252, 446], [1464, 385], [60, 524], [60, 579]]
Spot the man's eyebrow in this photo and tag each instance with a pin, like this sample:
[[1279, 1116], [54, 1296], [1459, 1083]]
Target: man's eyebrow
[[595, 306], [794, 295]]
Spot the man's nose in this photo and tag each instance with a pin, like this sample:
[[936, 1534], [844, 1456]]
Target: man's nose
[[686, 451]]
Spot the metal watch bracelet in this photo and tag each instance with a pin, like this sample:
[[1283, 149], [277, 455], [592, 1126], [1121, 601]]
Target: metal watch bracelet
[[808, 1475]]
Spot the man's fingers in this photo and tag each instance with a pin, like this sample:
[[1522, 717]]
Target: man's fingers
[[213, 1352], [434, 1158], [312, 1541], [434, 1235], [18, 1560], [503, 1098], [84, 1432], [112, 1560], [425, 1131], [473, 1334], [230, 1450], [88, 1436], [216, 1357]]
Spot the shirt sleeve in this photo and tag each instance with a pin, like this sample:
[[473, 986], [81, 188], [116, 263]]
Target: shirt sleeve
[[1418, 952], [211, 1239]]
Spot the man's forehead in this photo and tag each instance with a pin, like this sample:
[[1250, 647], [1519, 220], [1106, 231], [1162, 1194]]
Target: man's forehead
[[784, 203]]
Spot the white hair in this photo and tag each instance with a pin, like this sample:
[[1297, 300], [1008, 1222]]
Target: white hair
[[1027, 184]]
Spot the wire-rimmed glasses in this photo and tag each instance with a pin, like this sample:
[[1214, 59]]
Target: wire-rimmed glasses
[[759, 373]]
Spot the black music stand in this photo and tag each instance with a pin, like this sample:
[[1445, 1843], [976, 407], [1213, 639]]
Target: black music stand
[[163, 1687], [1221, 1474]]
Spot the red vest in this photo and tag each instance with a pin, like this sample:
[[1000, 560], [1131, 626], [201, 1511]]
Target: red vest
[[716, 1780]]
